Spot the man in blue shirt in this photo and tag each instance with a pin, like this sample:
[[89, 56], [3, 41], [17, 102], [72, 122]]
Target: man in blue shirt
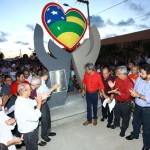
[[141, 115]]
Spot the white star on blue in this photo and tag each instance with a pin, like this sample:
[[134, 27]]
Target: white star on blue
[[54, 14]]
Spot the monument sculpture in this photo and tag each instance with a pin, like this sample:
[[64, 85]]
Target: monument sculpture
[[67, 28]]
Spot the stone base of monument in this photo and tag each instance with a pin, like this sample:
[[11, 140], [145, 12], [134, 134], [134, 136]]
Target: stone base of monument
[[74, 108]]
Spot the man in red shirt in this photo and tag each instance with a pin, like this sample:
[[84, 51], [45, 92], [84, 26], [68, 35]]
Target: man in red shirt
[[123, 98], [106, 76], [134, 73], [19, 79], [91, 84]]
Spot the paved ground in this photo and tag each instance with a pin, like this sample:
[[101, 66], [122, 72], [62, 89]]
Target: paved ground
[[72, 135]]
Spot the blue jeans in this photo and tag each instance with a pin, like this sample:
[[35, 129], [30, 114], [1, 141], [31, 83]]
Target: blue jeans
[[146, 127], [142, 116], [92, 101]]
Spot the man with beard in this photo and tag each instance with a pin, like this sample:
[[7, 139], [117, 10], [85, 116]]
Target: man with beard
[[141, 115]]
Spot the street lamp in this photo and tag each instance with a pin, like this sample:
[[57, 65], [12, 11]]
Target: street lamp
[[67, 5], [20, 55], [87, 3]]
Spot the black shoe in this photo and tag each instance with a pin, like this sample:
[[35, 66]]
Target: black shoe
[[42, 143], [47, 139], [18, 146], [114, 126], [52, 134], [122, 133], [108, 125], [130, 137], [144, 148], [102, 119], [105, 117]]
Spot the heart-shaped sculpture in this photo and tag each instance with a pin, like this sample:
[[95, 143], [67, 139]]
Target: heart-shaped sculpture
[[66, 28]]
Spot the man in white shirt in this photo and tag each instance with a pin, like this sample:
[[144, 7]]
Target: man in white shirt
[[46, 117], [6, 125], [27, 114]]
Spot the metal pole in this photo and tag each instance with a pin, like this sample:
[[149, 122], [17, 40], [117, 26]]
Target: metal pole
[[88, 11]]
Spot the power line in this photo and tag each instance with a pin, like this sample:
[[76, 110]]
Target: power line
[[142, 16], [110, 7]]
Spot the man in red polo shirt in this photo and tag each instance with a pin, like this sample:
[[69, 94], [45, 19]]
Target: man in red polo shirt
[[19, 79], [91, 84], [123, 98]]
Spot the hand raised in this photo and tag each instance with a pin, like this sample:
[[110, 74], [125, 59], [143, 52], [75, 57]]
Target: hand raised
[[55, 86], [38, 99], [133, 93], [111, 84]]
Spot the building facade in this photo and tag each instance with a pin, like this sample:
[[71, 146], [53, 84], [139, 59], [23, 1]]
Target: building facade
[[128, 45]]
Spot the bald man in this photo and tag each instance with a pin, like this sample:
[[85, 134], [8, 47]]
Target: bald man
[[27, 114]]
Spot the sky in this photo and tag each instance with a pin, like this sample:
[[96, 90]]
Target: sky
[[19, 17]]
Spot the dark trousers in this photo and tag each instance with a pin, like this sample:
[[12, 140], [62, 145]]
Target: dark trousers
[[142, 116], [45, 120], [106, 113], [146, 127], [137, 121], [122, 110], [31, 140], [92, 101]]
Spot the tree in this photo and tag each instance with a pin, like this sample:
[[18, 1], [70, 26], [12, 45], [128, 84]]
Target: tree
[[108, 51], [1, 56]]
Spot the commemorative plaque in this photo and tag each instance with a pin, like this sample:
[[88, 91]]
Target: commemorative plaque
[[59, 77]]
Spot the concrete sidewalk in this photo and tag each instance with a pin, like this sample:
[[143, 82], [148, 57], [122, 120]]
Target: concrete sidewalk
[[67, 122]]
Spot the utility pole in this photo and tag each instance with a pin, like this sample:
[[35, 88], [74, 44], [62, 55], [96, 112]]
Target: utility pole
[[88, 11]]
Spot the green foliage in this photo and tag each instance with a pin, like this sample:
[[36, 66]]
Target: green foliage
[[1, 56], [107, 50]]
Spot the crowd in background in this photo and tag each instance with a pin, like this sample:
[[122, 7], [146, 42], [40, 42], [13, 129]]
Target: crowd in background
[[29, 68], [24, 80]]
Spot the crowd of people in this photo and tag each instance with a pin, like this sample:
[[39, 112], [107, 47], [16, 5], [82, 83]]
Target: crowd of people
[[24, 96], [127, 86], [23, 104]]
